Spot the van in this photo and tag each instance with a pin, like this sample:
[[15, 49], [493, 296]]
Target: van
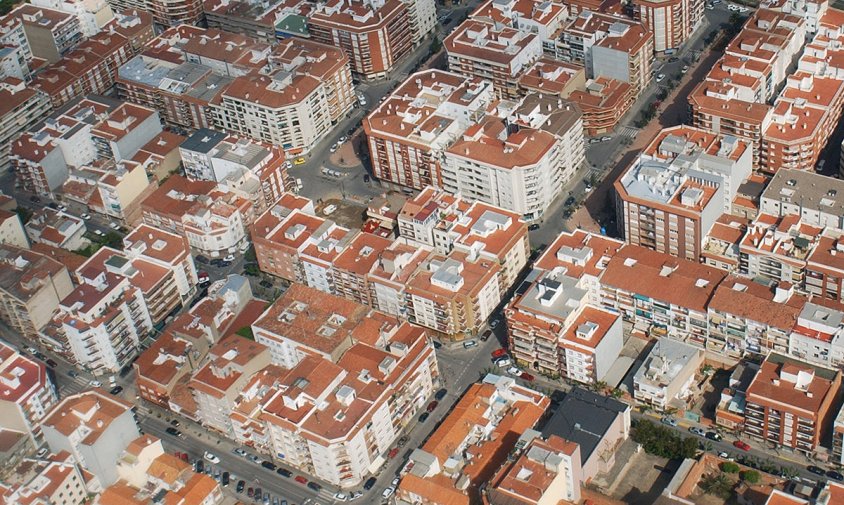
[[469, 344]]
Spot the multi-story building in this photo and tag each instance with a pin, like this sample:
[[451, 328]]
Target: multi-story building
[[22, 108], [486, 50], [252, 18], [166, 250], [520, 159], [374, 34], [554, 77], [477, 424], [666, 376], [15, 58], [818, 200], [12, 231], [603, 102], [215, 386], [660, 294], [678, 186], [115, 190], [553, 322], [58, 479], [31, 287], [672, 22], [818, 335], [57, 229], [776, 248], [408, 132], [93, 15], [136, 25], [749, 318], [90, 68], [252, 170], [50, 33], [789, 403], [545, 470], [101, 323], [95, 428], [825, 269], [175, 12], [126, 129], [311, 406], [28, 393], [609, 46]]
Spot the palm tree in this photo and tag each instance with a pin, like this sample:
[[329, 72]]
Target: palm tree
[[717, 485]]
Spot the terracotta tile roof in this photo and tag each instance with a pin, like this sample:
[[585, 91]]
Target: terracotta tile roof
[[764, 390], [94, 410], [750, 300]]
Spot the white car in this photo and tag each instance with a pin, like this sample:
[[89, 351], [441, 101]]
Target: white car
[[86, 216], [684, 69], [660, 77], [98, 233], [333, 148], [388, 493], [743, 9], [340, 496], [95, 384], [503, 363], [329, 210], [395, 482], [230, 257], [209, 456], [342, 139], [514, 371], [113, 225], [288, 164], [299, 184], [42, 452]]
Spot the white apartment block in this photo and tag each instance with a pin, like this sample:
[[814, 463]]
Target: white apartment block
[[166, 250], [667, 373], [817, 199], [28, 392], [818, 336], [93, 15], [423, 18]]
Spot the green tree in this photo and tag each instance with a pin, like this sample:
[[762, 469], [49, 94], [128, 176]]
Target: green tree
[[436, 45], [717, 485], [729, 467], [750, 476]]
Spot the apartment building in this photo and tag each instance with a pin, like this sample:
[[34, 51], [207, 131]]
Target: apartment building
[[479, 422], [374, 34], [408, 132], [125, 130], [818, 335], [660, 294], [165, 368], [58, 479], [825, 269], [546, 19], [31, 287], [114, 190], [101, 323], [751, 318], [609, 46], [553, 321], [93, 15], [326, 63], [518, 159], [216, 384], [14, 60], [309, 407], [50, 33], [494, 52], [554, 77], [678, 186], [57, 229], [166, 250], [603, 102], [176, 12], [135, 25], [90, 68], [544, 470], [244, 17], [28, 393], [22, 108], [818, 200], [789, 403], [11, 229], [252, 170], [671, 21], [665, 378], [777, 248], [95, 428]]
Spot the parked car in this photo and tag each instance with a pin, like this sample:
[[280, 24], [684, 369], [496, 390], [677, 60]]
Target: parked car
[[340, 496], [515, 372], [498, 353], [301, 480], [744, 446], [439, 395], [424, 417], [116, 390], [329, 209], [250, 492], [570, 200], [816, 470], [52, 363], [486, 335], [503, 362], [832, 474], [725, 455], [402, 441], [533, 227], [265, 284], [230, 257], [388, 493], [173, 431], [333, 148], [528, 377], [393, 453], [370, 483], [95, 384], [42, 452], [284, 473], [85, 216], [697, 431], [493, 324], [660, 77], [432, 406], [314, 486], [73, 374], [469, 344], [670, 421], [269, 465], [713, 435], [299, 161], [210, 456], [201, 259], [240, 486], [225, 479]]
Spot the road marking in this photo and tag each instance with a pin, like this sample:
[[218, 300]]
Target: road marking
[[628, 131]]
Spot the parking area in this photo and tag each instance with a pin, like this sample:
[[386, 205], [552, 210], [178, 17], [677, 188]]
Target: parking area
[[343, 212]]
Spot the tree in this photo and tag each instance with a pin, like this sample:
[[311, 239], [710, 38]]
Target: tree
[[750, 476], [729, 467], [717, 485], [436, 45]]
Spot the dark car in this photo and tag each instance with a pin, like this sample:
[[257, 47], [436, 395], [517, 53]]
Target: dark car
[[570, 200], [269, 465], [528, 377], [250, 492], [199, 466], [52, 363], [402, 441], [174, 422], [486, 335], [284, 472], [225, 479], [116, 390], [73, 373], [314, 486], [832, 474], [258, 493], [201, 259], [240, 485], [224, 264], [34, 199], [439, 395], [424, 417], [432, 406], [713, 435], [266, 284], [533, 227], [816, 470], [370, 482], [53, 205], [216, 261], [173, 431], [365, 177]]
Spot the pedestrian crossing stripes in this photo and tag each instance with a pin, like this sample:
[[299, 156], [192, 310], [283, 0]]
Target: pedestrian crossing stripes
[[628, 131]]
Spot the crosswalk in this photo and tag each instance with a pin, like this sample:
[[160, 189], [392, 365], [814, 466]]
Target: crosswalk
[[628, 131]]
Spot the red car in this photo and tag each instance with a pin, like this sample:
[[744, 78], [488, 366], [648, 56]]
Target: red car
[[744, 446], [393, 452], [301, 480], [526, 376], [185, 457], [433, 405], [498, 353]]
